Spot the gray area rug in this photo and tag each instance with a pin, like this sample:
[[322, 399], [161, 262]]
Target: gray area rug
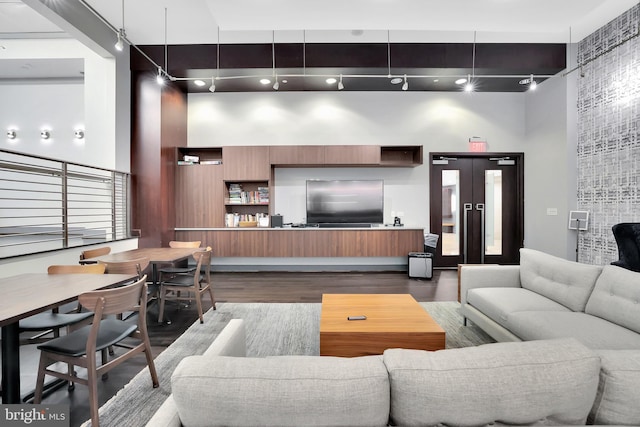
[[272, 329]]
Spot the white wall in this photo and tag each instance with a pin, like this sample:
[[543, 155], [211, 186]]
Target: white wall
[[438, 121]]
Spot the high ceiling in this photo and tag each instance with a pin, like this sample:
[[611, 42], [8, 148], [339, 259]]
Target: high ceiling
[[302, 22]]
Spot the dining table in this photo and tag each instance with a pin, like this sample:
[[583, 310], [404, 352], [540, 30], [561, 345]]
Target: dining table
[[157, 256], [27, 294]]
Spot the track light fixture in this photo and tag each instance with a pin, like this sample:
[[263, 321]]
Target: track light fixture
[[159, 77], [11, 134], [405, 85], [276, 85], [212, 88], [532, 83], [469, 86], [340, 85], [120, 43]]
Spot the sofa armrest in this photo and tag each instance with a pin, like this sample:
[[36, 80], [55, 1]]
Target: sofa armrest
[[166, 415], [231, 341], [487, 276]]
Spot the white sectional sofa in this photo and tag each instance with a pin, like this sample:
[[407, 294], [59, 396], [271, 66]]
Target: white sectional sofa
[[549, 382], [548, 297]]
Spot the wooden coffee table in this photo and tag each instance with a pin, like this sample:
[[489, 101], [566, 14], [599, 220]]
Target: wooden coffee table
[[393, 321]]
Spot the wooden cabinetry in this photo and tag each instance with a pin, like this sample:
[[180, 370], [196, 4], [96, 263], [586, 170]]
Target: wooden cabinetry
[[297, 155], [401, 156], [355, 155], [246, 163], [199, 196], [391, 242]]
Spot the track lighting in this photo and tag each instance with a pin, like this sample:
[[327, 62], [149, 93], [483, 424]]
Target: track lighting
[[11, 134], [469, 86], [340, 85], [532, 83], [212, 88], [120, 43], [45, 134], [159, 78], [405, 85], [276, 85]]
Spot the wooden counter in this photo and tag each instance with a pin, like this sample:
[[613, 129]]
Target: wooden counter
[[307, 242]]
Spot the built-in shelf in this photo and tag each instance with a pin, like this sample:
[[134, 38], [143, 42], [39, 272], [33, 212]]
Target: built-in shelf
[[401, 155], [205, 155]]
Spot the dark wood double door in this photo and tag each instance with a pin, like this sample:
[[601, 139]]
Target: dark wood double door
[[477, 204]]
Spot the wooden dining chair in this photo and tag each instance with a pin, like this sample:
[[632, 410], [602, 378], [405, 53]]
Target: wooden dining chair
[[135, 266], [189, 284], [80, 347], [51, 322], [180, 244], [92, 253]]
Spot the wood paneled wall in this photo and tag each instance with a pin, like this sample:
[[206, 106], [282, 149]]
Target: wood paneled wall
[[159, 125]]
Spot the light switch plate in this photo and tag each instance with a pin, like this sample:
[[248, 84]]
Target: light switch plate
[[552, 211]]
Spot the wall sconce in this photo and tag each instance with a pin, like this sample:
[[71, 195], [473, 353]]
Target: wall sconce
[[79, 134], [11, 134], [45, 134]]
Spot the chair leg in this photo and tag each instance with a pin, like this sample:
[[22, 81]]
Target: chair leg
[[198, 297], [161, 296], [104, 358], [42, 366], [71, 385], [213, 300], [92, 384]]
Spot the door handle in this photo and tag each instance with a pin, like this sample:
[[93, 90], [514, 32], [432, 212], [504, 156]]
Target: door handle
[[467, 207], [480, 207]]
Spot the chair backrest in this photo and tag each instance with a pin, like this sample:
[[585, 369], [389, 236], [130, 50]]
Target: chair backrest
[[203, 258], [116, 300], [92, 253], [179, 244], [627, 235], [76, 269], [133, 266]]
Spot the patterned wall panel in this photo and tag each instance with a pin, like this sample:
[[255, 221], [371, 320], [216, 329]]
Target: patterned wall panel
[[608, 140]]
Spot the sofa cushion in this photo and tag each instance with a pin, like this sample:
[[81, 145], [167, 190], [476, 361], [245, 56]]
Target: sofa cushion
[[499, 303], [592, 331], [618, 399], [616, 297], [281, 391], [566, 282], [548, 382]]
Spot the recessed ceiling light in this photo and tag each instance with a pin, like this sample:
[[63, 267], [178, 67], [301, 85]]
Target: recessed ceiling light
[[396, 80], [331, 81], [436, 80], [265, 81], [199, 83], [461, 81], [285, 81]]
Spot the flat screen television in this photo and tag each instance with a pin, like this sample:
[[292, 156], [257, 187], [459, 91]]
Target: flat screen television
[[345, 201]]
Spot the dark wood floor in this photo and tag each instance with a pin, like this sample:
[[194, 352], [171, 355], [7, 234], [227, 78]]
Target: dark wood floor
[[243, 287]]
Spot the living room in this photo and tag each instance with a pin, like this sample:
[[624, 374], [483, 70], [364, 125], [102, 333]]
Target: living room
[[578, 136]]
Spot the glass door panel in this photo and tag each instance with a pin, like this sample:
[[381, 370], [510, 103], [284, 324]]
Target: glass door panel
[[450, 217], [493, 212]]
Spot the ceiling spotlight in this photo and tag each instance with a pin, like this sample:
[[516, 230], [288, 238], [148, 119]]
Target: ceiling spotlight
[[469, 86], [159, 78], [265, 81], [276, 85], [120, 43], [331, 80], [340, 85], [45, 134], [11, 134], [405, 85], [532, 83], [212, 88], [79, 134], [396, 80], [199, 83], [460, 81]]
